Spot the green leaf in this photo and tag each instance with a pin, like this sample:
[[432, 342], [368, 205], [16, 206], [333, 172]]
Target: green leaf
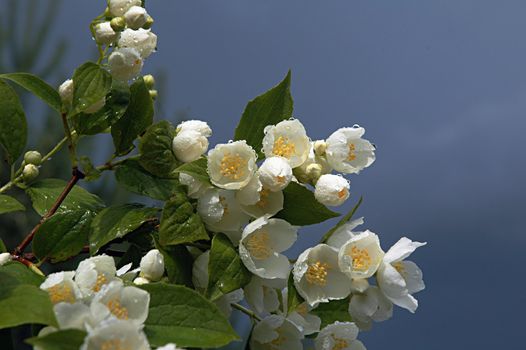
[[294, 299], [178, 263], [117, 102], [135, 179], [197, 169], [136, 119], [22, 273], [23, 303], [116, 222], [37, 86], [90, 172], [342, 222], [91, 83], [334, 310], [44, 193], [269, 108], [3, 248], [9, 204], [226, 271], [301, 208], [180, 223], [13, 124], [63, 235], [65, 339], [182, 316], [155, 150]]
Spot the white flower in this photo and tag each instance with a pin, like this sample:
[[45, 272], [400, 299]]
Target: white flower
[[224, 302], [195, 125], [136, 17], [261, 244], [347, 152], [125, 63], [261, 294], [4, 258], [332, 190], [95, 272], [104, 33], [339, 335], [141, 280], [275, 173], [250, 194], [195, 188], [220, 211], [287, 139], [124, 303], [361, 256], [76, 315], [277, 333], [189, 146], [317, 277], [152, 265], [119, 7], [65, 90], [115, 334], [61, 287], [344, 233], [269, 203], [370, 306], [231, 165], [301, 317], [170, 346], [397, 278], [142, 40]]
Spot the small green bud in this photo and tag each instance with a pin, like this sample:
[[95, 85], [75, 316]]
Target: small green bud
[[319, 147], [30, 172], [107, 13], [149, 23], [149, 80], [118, 24], [313, 172], [153, 94], [33, 157]]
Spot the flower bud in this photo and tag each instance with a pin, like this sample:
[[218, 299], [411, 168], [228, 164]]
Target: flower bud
[[149, 81], [152, 265], [104, 33], [30, 172], [275, 173], [136, 17], [149, 23], [65, 90], [120, 7], [118, 24], [33, 157], [125, 64], [332, 190], [4, 258], [313, 172], [195, 125], [141, 280], [319, 147], [189, 146], [107, 13], [153, 94]]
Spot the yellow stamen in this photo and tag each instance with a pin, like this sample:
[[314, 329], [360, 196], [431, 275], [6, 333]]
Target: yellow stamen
[[283, 147], [339, 343], [399, 266], [224, 204], [115, 344], [232, 166], [101, 281], [263, 198], [61, 293], [361, 260], [342, 193], [117, 309], [258, 245], [352, 153], [279, 340], [302, 309], [317, 273]]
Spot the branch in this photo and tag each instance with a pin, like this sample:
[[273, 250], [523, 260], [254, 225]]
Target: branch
[[243, 309]]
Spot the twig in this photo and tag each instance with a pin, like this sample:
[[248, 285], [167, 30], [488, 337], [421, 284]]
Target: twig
[[69, 135], [243, 309]]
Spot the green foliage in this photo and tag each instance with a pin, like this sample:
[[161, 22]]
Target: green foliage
[[37, 86], [180, 223], [294, 299], [134, 178], [13, 124], [182, 316], [197, 169], [21, 301], [334, 310], [21, 273], [3, 248], [178, 264], [137, 118], [225, 269], [45, 192], [301, 208], [9, 204], [269, 108], [91, 83], [116, 222], [155, 150], [65, 339], [63, 235]]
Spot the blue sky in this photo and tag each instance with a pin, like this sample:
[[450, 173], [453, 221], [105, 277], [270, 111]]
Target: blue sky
[[440, 87]]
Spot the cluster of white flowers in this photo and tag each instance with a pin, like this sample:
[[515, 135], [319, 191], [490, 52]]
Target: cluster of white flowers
[[96, 298], [241, 201]]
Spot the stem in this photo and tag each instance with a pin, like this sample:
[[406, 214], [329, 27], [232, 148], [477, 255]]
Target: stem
[[71, 146], [340, 223], [77, 175], [29, 264], [243, 309]]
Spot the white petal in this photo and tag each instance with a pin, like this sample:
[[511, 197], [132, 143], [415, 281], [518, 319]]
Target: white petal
[[344, 233], [413, 277], [401, 250]]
